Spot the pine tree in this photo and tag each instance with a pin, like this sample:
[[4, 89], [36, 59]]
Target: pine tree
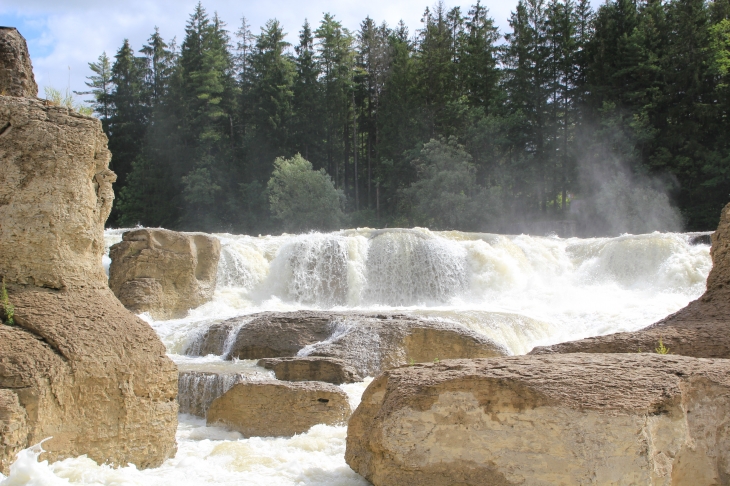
[[101, 88], [307, 135]]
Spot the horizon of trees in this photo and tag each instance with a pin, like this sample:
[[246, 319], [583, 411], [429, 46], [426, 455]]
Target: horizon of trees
[[598, 116]]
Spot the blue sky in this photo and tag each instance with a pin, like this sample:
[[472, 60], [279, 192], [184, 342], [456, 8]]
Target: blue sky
[[65, 35]]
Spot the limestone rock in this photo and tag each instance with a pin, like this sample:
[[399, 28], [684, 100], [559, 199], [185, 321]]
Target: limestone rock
[[164, 272], [699, 330], [198, 389], [279, 408], [306, 368], [77, 366], [369, 343], [546, 420], [55, 195], [16, 69]]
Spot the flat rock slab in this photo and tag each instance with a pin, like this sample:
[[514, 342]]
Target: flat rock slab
[[699, 330], [546, 420], [370, 343], [279, 408], [330, 370]]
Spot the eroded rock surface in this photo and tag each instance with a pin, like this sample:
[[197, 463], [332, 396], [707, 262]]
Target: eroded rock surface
[[164, 272], [311, 368], [279, 408], [369, 343], [76, 366], [16, 69], [699, 330], [545, 420]]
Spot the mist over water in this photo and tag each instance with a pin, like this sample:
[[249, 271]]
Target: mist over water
[[520, 291]]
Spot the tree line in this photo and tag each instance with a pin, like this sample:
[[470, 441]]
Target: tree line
[[603, 116]]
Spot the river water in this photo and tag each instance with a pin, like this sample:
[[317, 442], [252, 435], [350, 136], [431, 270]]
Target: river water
[[520, 291]]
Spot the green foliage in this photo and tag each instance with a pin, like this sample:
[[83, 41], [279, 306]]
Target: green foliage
[[67, 100], [302, 198], [450, 126], [7, 307], [661, 349], [445, 194]]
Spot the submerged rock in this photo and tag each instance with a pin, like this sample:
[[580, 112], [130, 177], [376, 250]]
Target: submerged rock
[[164, 272], [76, 365], [370, 343], [542, 420], [279, 408], [311, 368], [699, 330]]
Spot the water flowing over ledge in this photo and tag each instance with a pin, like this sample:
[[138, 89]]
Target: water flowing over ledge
[[519, 291]]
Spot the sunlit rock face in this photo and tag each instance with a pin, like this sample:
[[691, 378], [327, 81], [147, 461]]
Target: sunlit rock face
[[162, 272], [699, 330], [75, 365], [544, 420]]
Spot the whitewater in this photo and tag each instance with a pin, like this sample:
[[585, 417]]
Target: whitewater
[[520, 291]]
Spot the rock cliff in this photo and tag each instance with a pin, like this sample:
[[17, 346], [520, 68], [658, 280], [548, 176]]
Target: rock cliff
[[16, 69], [699, 330], [76, 366], [164, 272], [546, 420]]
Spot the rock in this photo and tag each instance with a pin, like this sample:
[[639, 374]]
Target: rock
[[544, 420], [200, 384], [76, 366], [55, 195], [16, 70], [699, 330], [330, 370], [164, 272], [279, 408], [369, 343], [198, 389]]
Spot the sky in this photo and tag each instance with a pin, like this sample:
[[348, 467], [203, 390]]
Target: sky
[[65, 35]]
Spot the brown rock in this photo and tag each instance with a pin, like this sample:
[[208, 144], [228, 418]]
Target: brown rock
[[369, 343], [279, 408], [329, 370], [198, 389], [164, 272], [699, 330], [55, 195], [77, 366], [16, 70], [559, 419]]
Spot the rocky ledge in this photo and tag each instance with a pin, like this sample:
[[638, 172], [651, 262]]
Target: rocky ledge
[[544, 420], [369, 343]]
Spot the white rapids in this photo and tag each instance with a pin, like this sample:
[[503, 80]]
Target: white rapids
[[520, 291]]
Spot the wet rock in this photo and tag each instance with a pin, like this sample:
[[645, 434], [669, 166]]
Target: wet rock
[[164, 272], [699, 330], [76, 366], [559, 419], [279, 408], [369, 343], [198, 389], [329, 370], [16, 69]]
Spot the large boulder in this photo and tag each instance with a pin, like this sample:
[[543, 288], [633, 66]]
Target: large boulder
[[16, 70], [699, 330], [369, 343], [279, 408], [164, 272], [311, 368], [546, 420], [76, 365]]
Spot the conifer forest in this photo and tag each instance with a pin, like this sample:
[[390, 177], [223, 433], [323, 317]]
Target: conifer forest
[[617, 118]]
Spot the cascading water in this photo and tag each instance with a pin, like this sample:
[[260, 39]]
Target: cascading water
[[520, 291]]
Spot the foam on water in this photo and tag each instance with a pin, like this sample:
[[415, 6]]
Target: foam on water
[[520, 291]]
